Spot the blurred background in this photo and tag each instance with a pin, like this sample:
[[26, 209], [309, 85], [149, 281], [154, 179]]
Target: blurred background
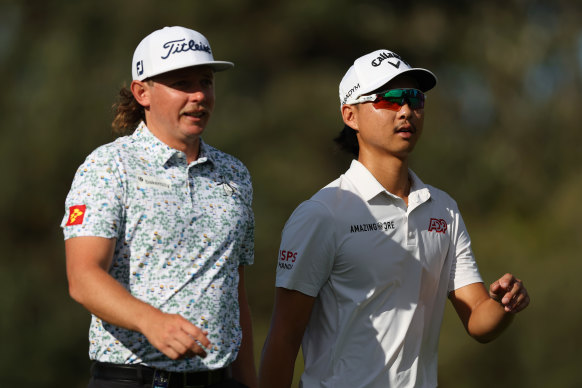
[[502, 136]]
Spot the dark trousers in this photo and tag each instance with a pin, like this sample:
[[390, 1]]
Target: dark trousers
[[99, 383], [107, 375]]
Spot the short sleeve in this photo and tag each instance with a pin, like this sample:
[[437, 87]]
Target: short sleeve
[[94, 205], [307, 249], [464, 270]]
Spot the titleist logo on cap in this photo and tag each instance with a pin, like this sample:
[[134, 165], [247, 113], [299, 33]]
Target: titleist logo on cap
[[174, 47]]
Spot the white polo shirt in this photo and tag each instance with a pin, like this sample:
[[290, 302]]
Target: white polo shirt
[[380, 272]]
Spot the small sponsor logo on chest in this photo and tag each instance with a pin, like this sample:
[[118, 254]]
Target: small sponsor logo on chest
[[153, 182], [437, 225], [375, 226]]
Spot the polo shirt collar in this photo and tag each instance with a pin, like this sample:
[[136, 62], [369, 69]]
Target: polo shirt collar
[[419, 191], [369, 187], [163, 153]]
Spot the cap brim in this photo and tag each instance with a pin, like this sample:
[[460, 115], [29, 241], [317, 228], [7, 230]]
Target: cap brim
[[214, 65], [218, 65], [426, 79]]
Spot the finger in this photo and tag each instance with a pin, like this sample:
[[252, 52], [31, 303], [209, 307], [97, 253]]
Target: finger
[[195, 353], [513, 291], [198, 350], [194, 345], [494, 290], [517, 303], [188, 330], [494, 286], [178, 348], [185, 346], [506, 281], [193, 349], [196, 333], [520, 302], [170, 352]]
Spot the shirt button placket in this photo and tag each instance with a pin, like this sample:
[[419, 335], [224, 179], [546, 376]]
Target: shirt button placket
[[190, 184], [410, 233]]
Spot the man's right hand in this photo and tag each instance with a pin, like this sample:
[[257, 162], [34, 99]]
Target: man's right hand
[[175, 336]]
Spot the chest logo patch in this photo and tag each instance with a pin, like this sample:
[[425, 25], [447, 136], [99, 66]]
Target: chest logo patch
[[153, 182], [76, 215], [437, 225], [381, 226]]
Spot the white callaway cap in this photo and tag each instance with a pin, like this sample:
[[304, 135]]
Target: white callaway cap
[[375, 69], [173, 48]]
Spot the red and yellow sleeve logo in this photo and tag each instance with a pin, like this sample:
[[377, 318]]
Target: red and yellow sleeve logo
[[76, 215]]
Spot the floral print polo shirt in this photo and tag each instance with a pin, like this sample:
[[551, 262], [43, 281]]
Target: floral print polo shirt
[[181, 232]]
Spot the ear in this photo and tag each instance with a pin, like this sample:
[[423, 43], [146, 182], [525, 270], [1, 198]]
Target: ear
[[350, 116], [141, 92]]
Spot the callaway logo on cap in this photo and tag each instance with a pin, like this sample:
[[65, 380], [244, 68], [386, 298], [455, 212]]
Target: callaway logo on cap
[[373, 70], [173, 48]]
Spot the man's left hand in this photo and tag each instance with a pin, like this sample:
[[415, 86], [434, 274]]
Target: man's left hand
[[510, 292]]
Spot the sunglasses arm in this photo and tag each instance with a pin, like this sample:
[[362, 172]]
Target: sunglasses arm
[[368, 98]]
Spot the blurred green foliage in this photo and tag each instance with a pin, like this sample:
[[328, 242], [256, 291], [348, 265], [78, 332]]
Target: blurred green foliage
[[502, 136]]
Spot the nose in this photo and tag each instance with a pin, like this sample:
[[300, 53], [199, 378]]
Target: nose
[[197, 95], [405, 110], [202, 97]]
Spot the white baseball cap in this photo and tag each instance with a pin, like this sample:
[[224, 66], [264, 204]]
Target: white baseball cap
[[375, 69], [172, 48]]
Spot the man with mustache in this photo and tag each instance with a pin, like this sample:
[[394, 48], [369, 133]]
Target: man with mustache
[[159, 228], [367, 263]]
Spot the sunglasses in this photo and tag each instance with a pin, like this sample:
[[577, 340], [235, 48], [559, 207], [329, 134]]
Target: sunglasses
[[394, 99]]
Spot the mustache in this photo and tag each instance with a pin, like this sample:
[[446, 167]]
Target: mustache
[[194, 110], [406, 126]]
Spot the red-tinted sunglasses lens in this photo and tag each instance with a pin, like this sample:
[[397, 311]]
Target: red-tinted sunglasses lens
[[382, 103], [396, 98]]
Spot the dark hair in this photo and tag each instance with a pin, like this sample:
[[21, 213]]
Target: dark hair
[[128, 113], [348, 141]]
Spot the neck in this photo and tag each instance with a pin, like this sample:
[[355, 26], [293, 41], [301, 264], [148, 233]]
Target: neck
[[189, 145], [192, 150], [392, 173]]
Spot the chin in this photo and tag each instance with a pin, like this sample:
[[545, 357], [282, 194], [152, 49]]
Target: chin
[[194, 129]]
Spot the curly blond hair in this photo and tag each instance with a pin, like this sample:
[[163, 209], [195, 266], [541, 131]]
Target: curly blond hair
[[128, 113]]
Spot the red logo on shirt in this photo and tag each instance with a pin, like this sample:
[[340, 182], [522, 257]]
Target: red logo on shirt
[[438, 225], [286, 259], [76, 215], [287, 256]]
